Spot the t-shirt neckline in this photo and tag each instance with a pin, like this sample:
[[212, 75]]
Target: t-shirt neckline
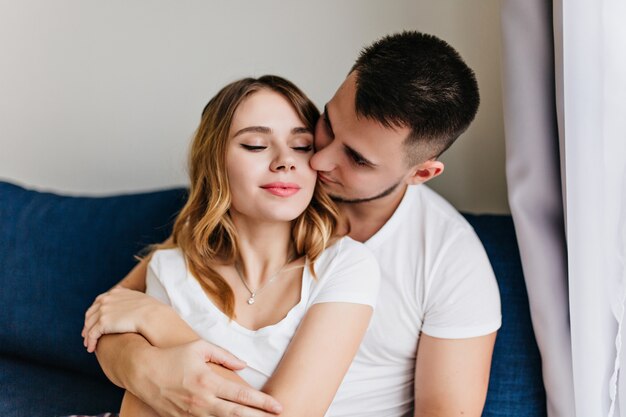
[[394, 221], [206, 301]]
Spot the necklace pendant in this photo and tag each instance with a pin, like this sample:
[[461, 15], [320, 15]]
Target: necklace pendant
[[251, 300]]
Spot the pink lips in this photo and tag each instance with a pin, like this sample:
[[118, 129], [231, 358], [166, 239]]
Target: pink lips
[[281, 189]]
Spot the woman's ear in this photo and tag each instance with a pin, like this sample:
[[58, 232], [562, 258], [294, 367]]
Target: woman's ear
[[425, 171]]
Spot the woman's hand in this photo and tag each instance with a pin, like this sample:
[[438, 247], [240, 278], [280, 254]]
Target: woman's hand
[[119, 310]]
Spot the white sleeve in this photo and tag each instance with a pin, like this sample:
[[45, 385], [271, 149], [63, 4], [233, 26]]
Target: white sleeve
[[351, 276], [463, 299], [154, 286]]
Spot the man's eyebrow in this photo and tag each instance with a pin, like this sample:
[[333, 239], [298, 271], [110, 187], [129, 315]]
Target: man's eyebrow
[[358, 157], [327, 119]]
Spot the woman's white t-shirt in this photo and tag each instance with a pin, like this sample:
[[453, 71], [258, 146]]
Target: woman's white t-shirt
[[346, 272]]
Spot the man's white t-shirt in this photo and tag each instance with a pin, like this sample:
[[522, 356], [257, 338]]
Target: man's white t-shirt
[[436, 279], [346, 272]]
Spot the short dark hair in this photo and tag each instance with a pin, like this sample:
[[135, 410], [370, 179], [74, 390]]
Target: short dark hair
[[416, 80]]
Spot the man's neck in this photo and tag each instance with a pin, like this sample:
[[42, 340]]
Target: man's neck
[[366, 219]]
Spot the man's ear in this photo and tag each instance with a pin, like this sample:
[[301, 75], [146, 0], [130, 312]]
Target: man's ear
[[425, 171]]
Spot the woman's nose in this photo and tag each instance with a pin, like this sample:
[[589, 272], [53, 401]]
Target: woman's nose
[[283, 162]]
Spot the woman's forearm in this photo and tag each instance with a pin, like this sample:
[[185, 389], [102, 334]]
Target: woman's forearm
[[318, 356], [118, 354], [164, 328], [168, 329]]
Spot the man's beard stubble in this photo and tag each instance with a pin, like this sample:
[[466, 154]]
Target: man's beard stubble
[[384, 193]]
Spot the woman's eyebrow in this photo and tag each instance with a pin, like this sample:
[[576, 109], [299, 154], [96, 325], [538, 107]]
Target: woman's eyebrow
[[256, 129], [300, 130], [267, 131]]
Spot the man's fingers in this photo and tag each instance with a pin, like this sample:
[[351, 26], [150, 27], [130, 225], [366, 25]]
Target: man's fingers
[[223, 408], [239, 394], [219, 356]]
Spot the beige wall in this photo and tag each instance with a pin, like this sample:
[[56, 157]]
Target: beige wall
[[100, 97]]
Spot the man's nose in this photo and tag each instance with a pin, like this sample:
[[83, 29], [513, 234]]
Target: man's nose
[[323, 160]]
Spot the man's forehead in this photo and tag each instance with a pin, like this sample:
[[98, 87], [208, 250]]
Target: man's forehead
[[345, 121]]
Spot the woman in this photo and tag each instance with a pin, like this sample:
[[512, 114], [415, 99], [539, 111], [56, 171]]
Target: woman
[[255, 263]]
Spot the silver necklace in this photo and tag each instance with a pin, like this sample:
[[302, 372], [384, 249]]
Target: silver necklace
[[256, 292]]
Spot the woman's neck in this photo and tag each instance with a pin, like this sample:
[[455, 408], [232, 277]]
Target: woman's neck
[[264, 248]]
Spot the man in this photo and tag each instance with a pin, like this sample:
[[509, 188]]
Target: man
[[428, 349]]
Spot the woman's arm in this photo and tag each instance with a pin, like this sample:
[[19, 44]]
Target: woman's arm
[[161, 377], [318, 357], [117, 352], [320, 353], [121, 310], [126, 311], [307, 377], [177, 381]]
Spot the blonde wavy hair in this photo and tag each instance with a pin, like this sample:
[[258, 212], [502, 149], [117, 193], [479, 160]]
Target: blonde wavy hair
[[203, 229]]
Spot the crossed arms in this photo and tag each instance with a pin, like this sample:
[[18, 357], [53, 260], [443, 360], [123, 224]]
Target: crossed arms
[[304, 383], [451, 375]]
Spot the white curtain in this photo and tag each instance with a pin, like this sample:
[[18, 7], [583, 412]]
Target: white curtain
[[564, 83]]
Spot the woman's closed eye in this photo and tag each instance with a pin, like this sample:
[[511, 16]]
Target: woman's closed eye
[[258, 148], [253, 148], [303, 148]]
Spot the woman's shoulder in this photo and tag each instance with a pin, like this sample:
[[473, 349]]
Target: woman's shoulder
[[346, 247], [168, 258], [348, 272], [174, 252], [346, 254]]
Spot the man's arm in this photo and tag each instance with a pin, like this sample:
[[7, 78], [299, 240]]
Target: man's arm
[[452, 375], [162, 377]]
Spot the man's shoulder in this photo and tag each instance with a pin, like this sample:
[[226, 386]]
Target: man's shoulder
[[432, 228], [422, 221], [433, 210]]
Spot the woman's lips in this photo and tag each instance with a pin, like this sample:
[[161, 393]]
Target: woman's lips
[[281, 189]]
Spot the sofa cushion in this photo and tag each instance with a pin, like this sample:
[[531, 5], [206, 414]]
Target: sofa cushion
[[516, 385], [30, 390], [57, 253]]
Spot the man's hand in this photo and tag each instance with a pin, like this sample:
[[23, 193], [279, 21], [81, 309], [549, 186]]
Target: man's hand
[[178, 382]]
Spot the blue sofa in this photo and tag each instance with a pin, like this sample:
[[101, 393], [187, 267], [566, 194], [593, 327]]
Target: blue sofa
[[58, 252]]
